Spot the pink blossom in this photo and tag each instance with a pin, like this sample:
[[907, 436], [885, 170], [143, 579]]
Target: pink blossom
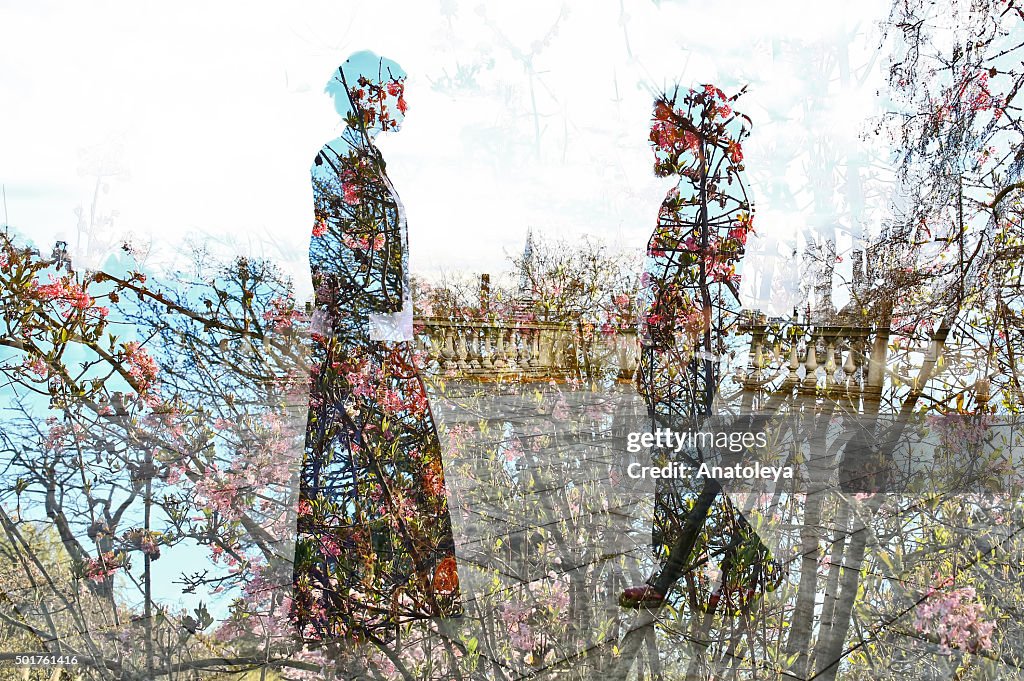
[[350, 194], [282, 314], [329, 545], [174, 474], [712, 91], [955, 618], [361, 243], [99, 569], [513, 450], [38, 366], [64, 292], [141, 366], [359, 383]]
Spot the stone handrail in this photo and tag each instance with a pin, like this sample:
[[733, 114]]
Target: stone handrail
[[493, 349], [831, 359]]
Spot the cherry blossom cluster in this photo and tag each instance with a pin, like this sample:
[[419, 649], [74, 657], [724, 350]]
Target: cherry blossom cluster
[[375, 102], [972, 95], [104, 567], [955, 618], [146, 541], [282, 315], [365, 242], [353, 182], [66, 292], [141, 365], [684, 137]]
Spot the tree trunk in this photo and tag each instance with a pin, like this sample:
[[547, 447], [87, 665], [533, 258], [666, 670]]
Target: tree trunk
[[832, 645]]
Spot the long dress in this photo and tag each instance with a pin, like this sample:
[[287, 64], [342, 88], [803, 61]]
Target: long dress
[[374, 547]]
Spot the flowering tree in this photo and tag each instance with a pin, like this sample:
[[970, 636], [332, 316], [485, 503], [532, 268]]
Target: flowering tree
[[128, 456], [590, 289], [585, 288], [935, 285]]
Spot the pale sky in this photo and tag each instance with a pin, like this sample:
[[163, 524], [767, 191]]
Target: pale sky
[[534, 114]]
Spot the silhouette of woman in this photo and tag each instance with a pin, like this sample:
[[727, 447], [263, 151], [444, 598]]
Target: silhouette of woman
[[374, 547], [687, 332]]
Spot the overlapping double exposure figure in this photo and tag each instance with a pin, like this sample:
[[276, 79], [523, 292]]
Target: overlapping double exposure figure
[[690, 311], [374, 547]]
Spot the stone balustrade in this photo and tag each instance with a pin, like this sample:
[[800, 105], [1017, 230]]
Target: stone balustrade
[[491, 350], [834, 360], [814, 359]]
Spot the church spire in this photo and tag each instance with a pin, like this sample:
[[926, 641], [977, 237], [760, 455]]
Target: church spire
[[526, 265]]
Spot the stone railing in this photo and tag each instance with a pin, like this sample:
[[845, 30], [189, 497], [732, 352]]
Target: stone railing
[[813, 359], [490, 350]]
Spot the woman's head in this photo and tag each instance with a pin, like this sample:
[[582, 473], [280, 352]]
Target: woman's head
[[369, 92], [690, 129]]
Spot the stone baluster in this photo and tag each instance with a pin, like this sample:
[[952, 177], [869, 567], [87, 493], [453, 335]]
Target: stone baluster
[[484, 333], [475, 345], [435, 343], [763, 359], [830, 358], [750, 377], [811, 365], [535, 349], [850, 366], [626, 343], [529, 355], [462, 346], [527, 338], [514, 349], [547, 349], [753, 377], [500, 360], [794, 364], [521, 348], [427, 340], [877, 363], [431, 339], [448, 353]]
